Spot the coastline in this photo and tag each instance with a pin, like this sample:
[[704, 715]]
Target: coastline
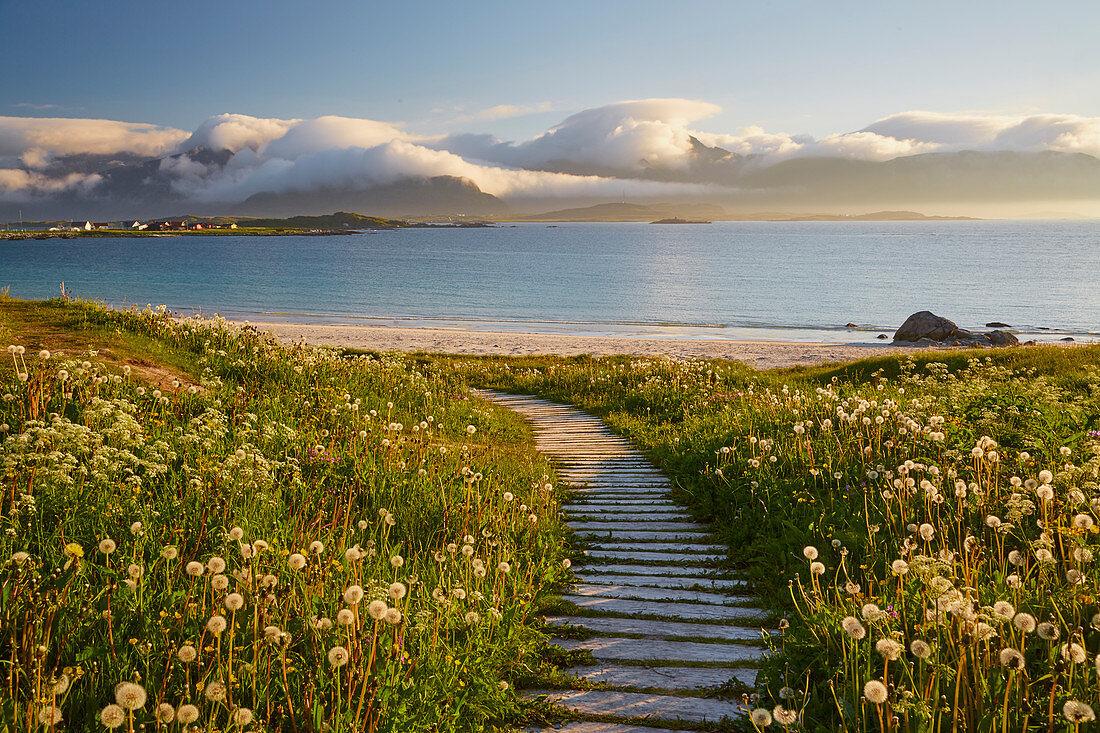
[[757, 354]]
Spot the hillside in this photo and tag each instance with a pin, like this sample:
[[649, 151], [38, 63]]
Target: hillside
[[651, 212], [631, 212], [338, 220]]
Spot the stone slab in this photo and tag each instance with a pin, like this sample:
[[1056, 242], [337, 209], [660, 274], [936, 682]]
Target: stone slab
[[629, 569], [627, 524], [656, 511], [585, 726], [679, 611], [636, 704], [658, 581], [627, 502], [664, 678], [658, 650], [684, 546], [656, 594], [670, 629], [635, 554], [665, 538]]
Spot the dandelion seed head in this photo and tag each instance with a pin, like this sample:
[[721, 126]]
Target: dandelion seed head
[[112, 716], [1011, 659], [1048, 631], [920, 648], [875, 692], [1078, 712], [130, 695], [853, 627], [353, 595], [165, 713]]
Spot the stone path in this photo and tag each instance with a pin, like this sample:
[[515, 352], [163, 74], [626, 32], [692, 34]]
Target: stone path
[[664, 623]]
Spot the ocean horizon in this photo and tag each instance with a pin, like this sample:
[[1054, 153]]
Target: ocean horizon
[[769, 281]]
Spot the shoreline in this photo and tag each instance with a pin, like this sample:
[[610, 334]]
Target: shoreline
[[757, 354]]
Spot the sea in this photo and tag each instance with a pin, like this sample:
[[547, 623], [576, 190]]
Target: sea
[[787, 281]]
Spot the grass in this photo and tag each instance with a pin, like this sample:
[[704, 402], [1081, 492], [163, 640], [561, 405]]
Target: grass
[[925, 526], [276, 538], [923, 529]]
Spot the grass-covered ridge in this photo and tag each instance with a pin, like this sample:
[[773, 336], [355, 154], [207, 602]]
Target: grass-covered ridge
[[927, 528], [199, 526]]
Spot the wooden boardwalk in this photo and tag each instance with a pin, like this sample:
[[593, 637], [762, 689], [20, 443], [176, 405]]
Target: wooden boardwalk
[[666, 623]]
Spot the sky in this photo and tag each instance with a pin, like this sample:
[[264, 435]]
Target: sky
[[514, 69]]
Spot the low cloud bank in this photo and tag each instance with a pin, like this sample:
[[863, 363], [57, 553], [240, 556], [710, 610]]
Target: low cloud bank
[[644, 148]]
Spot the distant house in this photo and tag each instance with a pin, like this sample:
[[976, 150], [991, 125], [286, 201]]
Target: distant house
[[86, 226], [165, 226], [137, 225], [101, 225]]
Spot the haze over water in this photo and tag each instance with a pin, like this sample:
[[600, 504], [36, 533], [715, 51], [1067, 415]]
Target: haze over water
[[743, 280]]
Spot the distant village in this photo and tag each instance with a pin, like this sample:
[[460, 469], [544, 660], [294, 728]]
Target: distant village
[[139, 226]]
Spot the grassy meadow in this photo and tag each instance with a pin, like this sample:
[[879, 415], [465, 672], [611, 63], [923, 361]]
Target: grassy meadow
[[925, 529], [202, 529]]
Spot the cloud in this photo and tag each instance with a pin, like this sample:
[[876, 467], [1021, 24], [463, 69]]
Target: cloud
[[969, 131], [330, 133], [41, 138], [22, 185], [628, 136], [511, 110], [603, 151], [390, 162], [236, 132]]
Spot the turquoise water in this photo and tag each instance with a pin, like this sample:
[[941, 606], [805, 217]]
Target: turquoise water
[[765, 280]]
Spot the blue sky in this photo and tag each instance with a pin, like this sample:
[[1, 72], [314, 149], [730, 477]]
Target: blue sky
[[805, 67]]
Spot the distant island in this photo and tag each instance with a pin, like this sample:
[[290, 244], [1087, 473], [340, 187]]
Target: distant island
[[666, 213], [338, 223], [344, 222]]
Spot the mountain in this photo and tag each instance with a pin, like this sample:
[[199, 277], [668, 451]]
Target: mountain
[[441, 195], [209, 180], [630, 212]]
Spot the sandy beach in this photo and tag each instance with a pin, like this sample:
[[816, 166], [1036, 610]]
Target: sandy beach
[[758, 354]]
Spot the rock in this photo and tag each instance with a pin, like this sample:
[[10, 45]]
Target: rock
[[926, 342], [997, 324], [882, 336], [1069, 338], [925, 325], [850, 325], [1032, 342], [1002, 338]]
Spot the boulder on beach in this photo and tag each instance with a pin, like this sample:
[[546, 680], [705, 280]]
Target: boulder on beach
[[925, 325], [997, 324], [850, 325], [1003, 338], [927, 329]]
